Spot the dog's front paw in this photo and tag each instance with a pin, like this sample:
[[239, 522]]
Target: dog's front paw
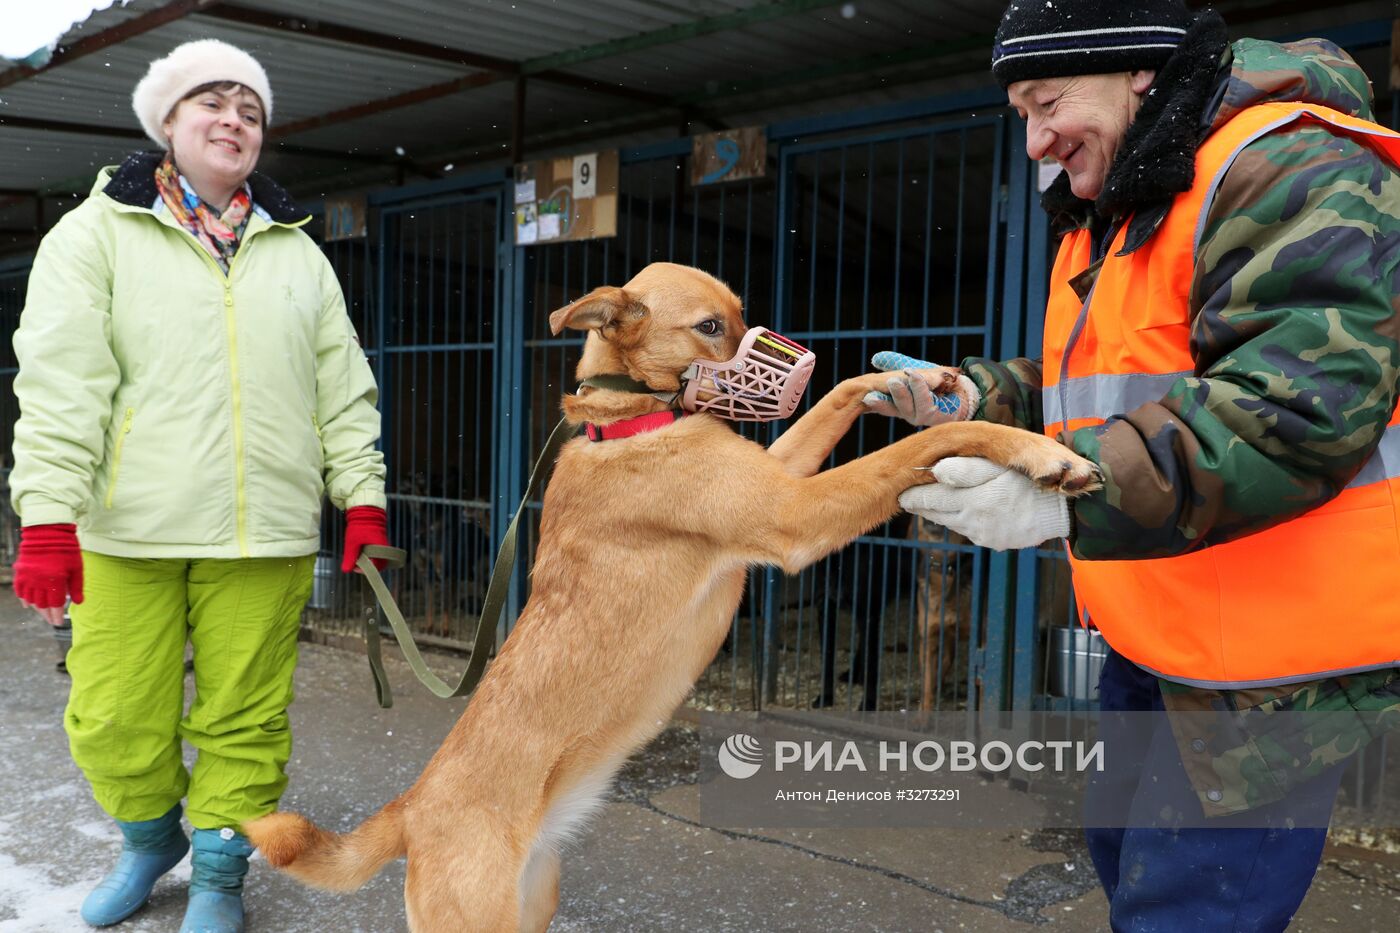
[[941, 380], [1055, 466]]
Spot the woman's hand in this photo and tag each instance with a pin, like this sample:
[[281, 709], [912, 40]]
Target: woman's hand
[[364, 524], [49, 569]]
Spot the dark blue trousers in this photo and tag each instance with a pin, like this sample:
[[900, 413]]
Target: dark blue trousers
[[1245, 873]]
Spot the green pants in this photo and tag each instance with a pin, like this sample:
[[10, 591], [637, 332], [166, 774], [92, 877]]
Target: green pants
[[124, 716]]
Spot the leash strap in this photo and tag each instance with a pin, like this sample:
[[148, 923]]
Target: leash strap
[[491, 609]]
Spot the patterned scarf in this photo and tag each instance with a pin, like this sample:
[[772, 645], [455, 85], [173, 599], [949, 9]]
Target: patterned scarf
[[217, 233]]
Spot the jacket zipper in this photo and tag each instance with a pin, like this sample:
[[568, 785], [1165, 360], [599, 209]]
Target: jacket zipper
[[117, 455], [239, 467], [236, 397], [235, 391]]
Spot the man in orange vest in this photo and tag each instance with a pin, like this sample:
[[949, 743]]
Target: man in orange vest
[[1223, 338]]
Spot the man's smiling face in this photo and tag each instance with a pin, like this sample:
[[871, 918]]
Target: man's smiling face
[[1079, 121]]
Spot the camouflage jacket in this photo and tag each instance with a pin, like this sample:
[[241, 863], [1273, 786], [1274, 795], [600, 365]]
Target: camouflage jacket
[[1286, 403]]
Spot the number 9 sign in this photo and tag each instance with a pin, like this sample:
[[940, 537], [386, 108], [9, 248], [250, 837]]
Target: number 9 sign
[[585, 176]]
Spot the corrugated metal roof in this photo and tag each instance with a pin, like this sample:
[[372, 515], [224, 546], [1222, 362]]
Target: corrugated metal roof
[[514, 29], [798, 42], [314, 76], [780, 66], [308, 79], [464, 119]]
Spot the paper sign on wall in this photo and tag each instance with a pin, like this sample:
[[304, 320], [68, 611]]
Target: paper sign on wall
[[569, 198], [585, 175]]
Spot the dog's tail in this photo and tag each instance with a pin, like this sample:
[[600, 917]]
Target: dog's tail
[[323, 859]]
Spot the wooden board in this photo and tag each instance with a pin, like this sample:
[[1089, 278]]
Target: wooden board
[[345, 218], [730, 155], [565, 199]]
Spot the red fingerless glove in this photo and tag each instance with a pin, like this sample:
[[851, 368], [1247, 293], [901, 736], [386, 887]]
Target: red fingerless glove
[[364, 524], [49, 567]]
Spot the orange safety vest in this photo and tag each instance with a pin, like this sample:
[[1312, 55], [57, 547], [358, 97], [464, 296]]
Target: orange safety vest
[[1314, 596]]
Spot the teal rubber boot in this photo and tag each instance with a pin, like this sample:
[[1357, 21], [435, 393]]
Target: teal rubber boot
[[219, 862], [150, 848]]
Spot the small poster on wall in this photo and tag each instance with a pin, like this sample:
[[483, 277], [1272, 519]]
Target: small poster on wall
[[345, 218], [731, 155], [564, 199]]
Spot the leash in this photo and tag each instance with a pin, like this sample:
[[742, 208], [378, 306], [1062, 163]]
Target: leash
[[485, 637]]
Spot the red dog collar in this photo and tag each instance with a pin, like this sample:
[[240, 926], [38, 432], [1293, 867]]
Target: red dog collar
[[632, 426]]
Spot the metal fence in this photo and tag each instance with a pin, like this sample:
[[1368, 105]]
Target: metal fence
[[913, 227], [873, 230], [920, 233]]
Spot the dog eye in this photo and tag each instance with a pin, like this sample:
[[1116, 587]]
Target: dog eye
[[708, 328]]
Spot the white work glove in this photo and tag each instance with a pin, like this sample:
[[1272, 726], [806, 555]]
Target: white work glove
[[989, 504], [910, 397]]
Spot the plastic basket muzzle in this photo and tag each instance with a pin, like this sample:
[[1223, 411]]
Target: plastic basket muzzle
[[763, 382]]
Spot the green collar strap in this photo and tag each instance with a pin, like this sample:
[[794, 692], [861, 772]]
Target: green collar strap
[[617, 382]]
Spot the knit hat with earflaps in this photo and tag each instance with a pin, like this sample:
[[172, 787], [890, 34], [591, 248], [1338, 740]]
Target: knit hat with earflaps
[[188, 66], [1055, 38]]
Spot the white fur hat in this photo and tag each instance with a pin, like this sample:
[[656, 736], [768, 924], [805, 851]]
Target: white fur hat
[[187, 67]]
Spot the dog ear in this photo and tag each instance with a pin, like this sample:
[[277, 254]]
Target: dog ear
[[600, 309], [593, 311]]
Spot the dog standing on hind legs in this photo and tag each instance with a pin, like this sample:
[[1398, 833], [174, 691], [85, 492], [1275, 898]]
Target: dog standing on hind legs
[[644, 544]]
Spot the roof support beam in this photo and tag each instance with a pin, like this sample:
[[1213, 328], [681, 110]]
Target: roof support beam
[[351, 35], [795, 85], [109, 37], [119, 132], [433, 92], [517, 123], [758, 13], [600, 87], [408, 98], [62, 126], [12, 196], [446, 89], [841, 67]]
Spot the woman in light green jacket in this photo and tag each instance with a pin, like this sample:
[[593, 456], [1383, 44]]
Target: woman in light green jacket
[[190, 387]]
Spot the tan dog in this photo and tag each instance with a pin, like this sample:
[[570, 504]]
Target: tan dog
[[644, 543], [942, 614]]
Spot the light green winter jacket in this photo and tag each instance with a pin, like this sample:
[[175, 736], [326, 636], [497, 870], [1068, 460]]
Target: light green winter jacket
[[173, 411]]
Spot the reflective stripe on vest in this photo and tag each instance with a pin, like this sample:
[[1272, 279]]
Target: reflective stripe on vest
[[1098, 398], [1314, 596]]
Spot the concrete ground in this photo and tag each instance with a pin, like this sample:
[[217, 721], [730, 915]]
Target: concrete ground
[[648, 863]]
